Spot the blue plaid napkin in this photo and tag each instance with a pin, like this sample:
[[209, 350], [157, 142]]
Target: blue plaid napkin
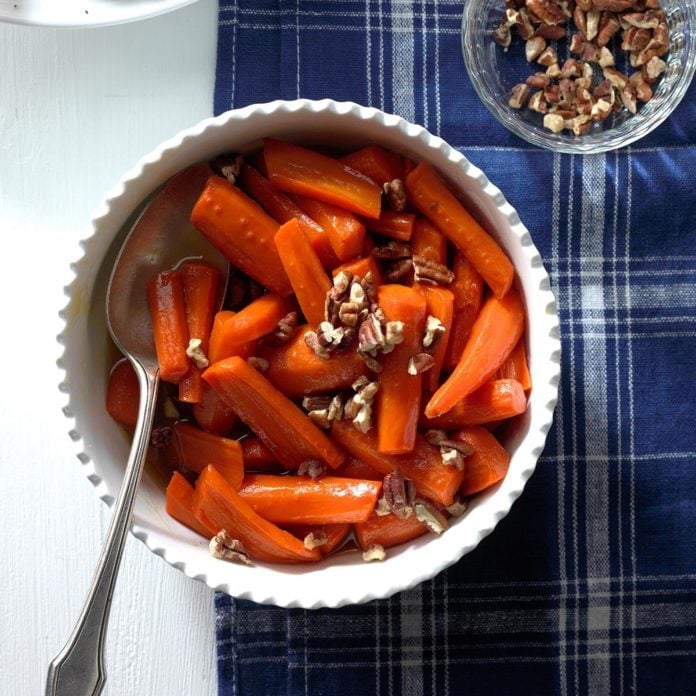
[[589, 585]]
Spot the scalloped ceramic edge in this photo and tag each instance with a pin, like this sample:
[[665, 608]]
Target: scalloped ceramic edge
[[102, 447]]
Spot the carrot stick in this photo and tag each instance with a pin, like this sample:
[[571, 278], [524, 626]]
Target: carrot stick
[[200, 298], [123, 394], [179, 505], [423, 465], [196, 449], [258, 318], [220, 347], [493, 336], [296, 370], [166, 299], [428, 241], [303, 500], [487, 465], [213, 414], [357, 469], [376, 163], [307, 276], [258, 458], [398, 398], [278, 422], [298, 170], [219, 506], [361, 267], [388, 530], [515, 367], [242, 231], [432, 197], [335, 535], [395, 225], [345, 231], [440, 303], [279, 206], [467, 289], [492, 402]]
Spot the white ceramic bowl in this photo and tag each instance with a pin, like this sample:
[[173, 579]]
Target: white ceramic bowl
[[102, 446]]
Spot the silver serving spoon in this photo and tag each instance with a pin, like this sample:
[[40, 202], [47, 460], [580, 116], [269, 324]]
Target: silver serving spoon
[[160, 239]]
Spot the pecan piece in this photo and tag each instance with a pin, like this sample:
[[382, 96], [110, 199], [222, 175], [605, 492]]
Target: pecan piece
[[312, 468], [502, 36], [196, 354], [519, 96], [546, 11], [534, 48], [315, 539], [607, 28], [259, 364], [395, 192], [538, 103], [397, 270], [399, 493], [161, 437], [547, 58], [316, 403], [392, 251], [284, 331], [430, 516], [431, 272], [421, 362], [434, 329], [228, 166], [553, 122], [457, 508], [550, 32], [592, 24], [223, 546], [653, 69], [371, 362], [538, 81], [312, 341], [393, 335], [612, 5], [374, 552], [370, 335]]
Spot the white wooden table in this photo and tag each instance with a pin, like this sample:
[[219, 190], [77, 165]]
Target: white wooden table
[[78, 108]]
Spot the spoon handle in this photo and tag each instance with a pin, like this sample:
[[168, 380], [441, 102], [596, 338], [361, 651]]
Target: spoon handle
[[78, 669]]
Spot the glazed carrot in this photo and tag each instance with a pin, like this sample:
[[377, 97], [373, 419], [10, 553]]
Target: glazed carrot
[[179, 504], [303, 500], [217, 505], [345, 231], [428, 241], [298, 170], [123, 393], [219, 345], [258, 318], [492, 402], [278, 422], [242, 231], [361, 267], [388, 530], [467, 289], [398, 398], [493, 336], [395, 225], [423, 465], [258, 458], [515, 367], [212, 413], [200, 298], [279, 206], [307, 276], [335, 535], [487, 465], [196, 449], [432, 197], [375, 162], [440, 304], [357, 469], [296, 370], [165, 294]]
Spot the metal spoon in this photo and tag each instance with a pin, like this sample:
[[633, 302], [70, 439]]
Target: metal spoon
[[160, 239]]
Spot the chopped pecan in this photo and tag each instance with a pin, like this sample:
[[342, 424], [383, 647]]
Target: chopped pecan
[[421, 362], [616, 77], [653, 69], [431, 272], [382, 509], [435, 437], [312, 468], [312, 341], [607, 28], [223, 546], [457, 508], [195, 352], [534, 48], [228, 166], [553, 122], [315, 539], [335, 409], [161, 437], [399, 493], [320, 417], [519, 96], [349, 313], [643, 91], [370, 288], [330, 336], [577, 43], [397, 270], [571, 68], [316, 403], [642, 20], [550, 33], [260, 364], [592, 24], [601, 110], [393, 335], [374, 552], [284, 331], [392, 251], [363, 421], [538, 103], [635, 39], [434, 329], [629, 98], [580, 19], [547, 57], [502, 36], [370, 335], [553, 70], [395, 191], [430, 516], [524, 25], [606, 58], [371, 362], [613, 5], [548, 12]]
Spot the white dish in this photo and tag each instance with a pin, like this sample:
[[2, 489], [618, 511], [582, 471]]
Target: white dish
[[84, 13], [102, 446]]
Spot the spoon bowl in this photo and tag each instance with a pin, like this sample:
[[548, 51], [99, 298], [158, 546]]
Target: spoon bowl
[[161, 238]]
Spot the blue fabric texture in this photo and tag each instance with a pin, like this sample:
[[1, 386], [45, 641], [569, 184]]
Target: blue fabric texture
[[589, 585]]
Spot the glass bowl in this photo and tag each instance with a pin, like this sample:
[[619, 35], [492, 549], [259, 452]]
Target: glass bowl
[[494, 72]]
